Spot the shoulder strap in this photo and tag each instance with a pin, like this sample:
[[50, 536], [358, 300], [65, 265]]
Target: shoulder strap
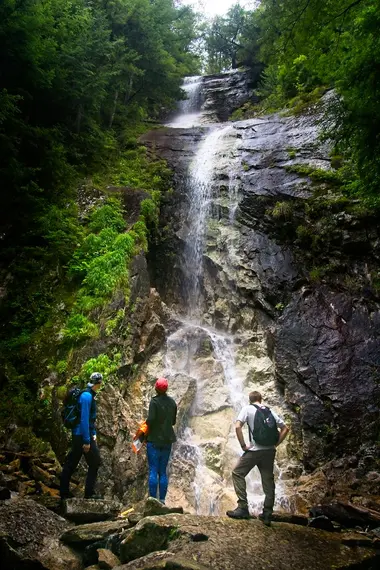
[[251, 438]]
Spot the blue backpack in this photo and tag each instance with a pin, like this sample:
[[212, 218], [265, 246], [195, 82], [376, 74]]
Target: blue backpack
[[71, 408]]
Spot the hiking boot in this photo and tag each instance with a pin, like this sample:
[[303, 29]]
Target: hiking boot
[[94, 497], [266, 519], [238, 513]]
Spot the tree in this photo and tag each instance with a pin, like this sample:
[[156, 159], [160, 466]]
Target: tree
[[223, 40]]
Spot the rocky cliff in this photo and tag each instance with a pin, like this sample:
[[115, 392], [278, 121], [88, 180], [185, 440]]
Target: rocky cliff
[[289, 270]]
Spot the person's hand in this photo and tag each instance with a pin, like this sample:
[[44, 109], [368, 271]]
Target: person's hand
[[86, 447], [94, 437]]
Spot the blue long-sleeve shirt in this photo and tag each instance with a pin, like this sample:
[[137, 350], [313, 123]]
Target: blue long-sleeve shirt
[[86, 427]]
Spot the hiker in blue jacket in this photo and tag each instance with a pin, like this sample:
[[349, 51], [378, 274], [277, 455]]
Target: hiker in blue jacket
[[84, 442]]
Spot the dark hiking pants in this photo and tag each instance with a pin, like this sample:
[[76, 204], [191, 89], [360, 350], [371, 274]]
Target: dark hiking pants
[[265, 462], [92, 458]]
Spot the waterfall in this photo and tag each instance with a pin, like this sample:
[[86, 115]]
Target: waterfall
[[197, 351], [189, 110], [199, 186]]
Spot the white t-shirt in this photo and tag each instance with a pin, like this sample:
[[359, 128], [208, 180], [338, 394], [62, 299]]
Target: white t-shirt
[[247, 415]]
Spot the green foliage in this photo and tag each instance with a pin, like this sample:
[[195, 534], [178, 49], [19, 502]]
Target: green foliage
[[222, 40], [77, 80], [282, 210], [79, 328], [149, 210], [108, 217], [112, 324], [316, 174], [103, 363]]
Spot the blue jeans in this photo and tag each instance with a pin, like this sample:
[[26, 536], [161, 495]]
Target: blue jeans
[[158, 459]]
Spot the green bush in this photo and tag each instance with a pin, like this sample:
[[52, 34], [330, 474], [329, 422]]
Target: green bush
[[282, 210], [103, 363], [108, 216], [79, 328]]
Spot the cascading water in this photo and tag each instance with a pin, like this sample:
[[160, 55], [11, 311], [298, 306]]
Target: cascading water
[[207, 449], [201, 173], [189, 110]]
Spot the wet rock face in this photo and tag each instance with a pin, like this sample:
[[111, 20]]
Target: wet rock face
[[326, 348], [223, 93], [320, 338]]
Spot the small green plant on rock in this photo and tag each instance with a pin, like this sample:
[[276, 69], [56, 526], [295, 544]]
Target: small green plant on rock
[[113, 323], [282, 210], [291, 152], [316, 174], [103, 363]]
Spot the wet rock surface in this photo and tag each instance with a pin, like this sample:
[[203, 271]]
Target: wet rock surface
[[223, 93]]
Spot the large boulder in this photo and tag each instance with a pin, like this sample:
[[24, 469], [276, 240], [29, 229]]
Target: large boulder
[[93, 532], [29, 538], [224, 543]]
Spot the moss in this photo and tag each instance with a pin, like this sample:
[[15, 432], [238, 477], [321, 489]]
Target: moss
[[113, 323], [316, 174], [319, 272], [27, 441], [302, 102], [246, 111], [291, 153]]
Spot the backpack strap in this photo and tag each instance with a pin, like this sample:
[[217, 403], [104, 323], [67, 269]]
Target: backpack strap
[[251, 438]]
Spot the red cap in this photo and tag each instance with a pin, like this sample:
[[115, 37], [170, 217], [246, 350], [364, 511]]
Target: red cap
[[161, 385]]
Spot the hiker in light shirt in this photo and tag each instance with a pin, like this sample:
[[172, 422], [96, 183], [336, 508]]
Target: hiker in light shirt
[[270, 430]]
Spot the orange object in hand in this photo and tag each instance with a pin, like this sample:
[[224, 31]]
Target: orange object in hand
[[140, 437]]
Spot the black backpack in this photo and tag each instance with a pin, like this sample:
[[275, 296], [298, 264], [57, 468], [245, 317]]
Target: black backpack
[[265, 430], [71, 408]]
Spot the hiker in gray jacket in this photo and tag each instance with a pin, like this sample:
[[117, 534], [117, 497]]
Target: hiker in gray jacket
[[266, 431]]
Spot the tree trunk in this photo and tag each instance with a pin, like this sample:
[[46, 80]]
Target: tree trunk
[[114, 108], [79, 117]]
